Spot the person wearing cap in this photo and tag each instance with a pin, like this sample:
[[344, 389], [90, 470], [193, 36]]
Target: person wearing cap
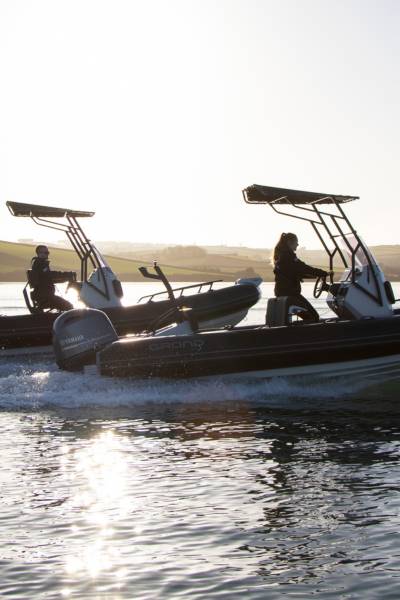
[[42, 280]]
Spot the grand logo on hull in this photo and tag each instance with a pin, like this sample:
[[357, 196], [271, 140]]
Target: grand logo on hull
[[191, 346]]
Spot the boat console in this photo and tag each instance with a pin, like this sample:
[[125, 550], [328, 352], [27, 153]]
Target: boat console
[[362, 290]]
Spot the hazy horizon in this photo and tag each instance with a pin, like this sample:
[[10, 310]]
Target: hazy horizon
[[99, 243], [157, 114]]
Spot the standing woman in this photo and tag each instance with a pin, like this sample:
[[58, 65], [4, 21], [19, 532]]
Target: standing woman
[[290, 271]]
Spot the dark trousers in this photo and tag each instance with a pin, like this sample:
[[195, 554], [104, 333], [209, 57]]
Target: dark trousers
[[54, 302], [309, 314]]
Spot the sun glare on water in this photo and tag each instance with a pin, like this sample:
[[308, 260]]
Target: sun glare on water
[[98, 475]]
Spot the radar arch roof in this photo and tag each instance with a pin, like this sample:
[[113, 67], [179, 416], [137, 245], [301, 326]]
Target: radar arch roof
[[21, 209], [262, 194]]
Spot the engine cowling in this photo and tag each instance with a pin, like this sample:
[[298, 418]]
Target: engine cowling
[[78, 335]]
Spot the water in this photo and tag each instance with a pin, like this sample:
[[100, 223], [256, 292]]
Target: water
[[116, 490]]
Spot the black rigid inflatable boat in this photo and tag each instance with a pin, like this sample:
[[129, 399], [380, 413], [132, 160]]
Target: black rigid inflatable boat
[[326, 347], [362, 341], [99, 288], [20, 331]]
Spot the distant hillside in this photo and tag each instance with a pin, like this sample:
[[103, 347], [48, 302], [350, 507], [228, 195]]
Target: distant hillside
[[237, 256], [16, 258], [181, 263]]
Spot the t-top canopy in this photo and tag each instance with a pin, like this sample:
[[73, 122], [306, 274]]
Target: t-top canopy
[[20, 209], [262, 194]]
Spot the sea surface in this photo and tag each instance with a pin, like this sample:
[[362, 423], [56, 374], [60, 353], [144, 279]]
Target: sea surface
[[115, 489]]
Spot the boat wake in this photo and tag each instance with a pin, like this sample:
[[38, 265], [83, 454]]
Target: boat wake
[[40, 385]]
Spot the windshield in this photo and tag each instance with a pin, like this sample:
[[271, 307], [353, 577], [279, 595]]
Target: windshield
[[100, 258], [362, 255]]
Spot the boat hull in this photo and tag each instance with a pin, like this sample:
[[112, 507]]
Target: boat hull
[[30, 330], [323, 349]]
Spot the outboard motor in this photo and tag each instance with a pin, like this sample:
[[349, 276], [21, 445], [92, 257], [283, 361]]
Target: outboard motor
[[78, 334]]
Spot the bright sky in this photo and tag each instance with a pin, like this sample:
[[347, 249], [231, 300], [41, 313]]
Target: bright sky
[[157, 113]]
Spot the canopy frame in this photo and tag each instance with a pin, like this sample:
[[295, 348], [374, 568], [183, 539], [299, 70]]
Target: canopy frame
[[331, 224], [87, 253]]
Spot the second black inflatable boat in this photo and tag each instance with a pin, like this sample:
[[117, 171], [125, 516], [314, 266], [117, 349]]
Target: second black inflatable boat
[[98, 287]]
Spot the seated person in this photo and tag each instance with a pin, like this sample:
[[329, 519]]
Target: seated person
[[42, 280], [289, 272]]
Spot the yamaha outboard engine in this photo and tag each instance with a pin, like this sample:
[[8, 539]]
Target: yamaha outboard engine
[[78, 334]]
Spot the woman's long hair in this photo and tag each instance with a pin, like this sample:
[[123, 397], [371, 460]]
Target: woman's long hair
[[282, 245]]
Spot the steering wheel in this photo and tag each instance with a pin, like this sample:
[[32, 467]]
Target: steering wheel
[[320, 286]]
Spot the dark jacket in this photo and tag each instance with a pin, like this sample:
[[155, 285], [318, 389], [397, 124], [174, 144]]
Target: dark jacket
[[290, 271], [42, 279]]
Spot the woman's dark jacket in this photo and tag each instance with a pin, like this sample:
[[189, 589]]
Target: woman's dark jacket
[[290, 271]]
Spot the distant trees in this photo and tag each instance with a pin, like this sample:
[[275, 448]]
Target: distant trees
[[182, 252], [245, 273]]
